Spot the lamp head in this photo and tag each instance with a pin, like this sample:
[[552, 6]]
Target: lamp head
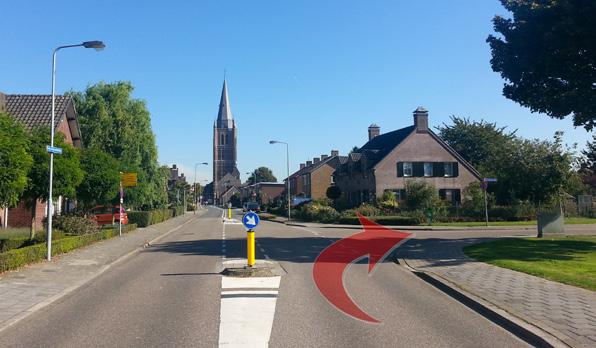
[[272, 141], [97, 45]]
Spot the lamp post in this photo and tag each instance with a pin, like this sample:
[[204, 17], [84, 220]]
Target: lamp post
[[195, 185], [97, 45], [288, 171]]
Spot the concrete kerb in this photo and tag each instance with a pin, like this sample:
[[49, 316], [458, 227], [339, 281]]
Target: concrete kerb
[[528, 332], [63, 293]]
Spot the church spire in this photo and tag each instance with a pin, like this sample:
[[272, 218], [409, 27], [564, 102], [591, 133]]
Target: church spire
[[224, 116]]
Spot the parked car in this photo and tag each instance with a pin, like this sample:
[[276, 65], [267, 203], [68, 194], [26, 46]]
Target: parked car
[[108, 215], [251, 206]]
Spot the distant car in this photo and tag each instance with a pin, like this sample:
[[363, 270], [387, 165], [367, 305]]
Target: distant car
[[251, 206], [108, 215]]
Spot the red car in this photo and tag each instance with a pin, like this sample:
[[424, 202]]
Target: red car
[[108, 215]]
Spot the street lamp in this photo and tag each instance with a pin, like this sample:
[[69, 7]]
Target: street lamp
[[195, 185], [288, 170], [97, 45]]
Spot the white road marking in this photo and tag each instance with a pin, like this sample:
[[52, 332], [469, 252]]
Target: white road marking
[[246, 316]]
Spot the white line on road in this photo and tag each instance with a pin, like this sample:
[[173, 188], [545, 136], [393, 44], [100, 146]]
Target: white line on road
[[246, 316]]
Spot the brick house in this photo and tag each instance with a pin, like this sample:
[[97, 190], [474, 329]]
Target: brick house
[[314, 177], [35, 111], [388, 160], [262, 192]]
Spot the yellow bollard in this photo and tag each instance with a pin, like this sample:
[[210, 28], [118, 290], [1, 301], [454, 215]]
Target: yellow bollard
[[250, 247], [229, 213]]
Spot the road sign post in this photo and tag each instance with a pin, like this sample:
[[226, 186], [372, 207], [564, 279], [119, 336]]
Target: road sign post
[[250, 220]]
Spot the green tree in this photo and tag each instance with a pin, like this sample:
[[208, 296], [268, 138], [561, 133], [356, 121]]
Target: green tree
[[102, 178], [15, 160], [587, 165], [114, 122], [333, 192], [235, 200], [67, 170], [422, 196], [547, 54], [263, 174]]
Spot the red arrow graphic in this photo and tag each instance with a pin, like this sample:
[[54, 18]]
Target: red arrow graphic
[[376, 242]]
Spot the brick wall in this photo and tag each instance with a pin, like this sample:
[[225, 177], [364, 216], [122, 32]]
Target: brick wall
[[320, 180], [20, 216]]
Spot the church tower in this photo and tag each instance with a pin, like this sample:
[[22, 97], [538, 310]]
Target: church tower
[[225, 173]]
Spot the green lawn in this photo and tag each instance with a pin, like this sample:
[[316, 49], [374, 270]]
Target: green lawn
[[570, 260], [568, 221], [10, 233]]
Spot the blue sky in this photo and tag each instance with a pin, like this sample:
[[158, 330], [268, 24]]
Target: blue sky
[[312, 73]]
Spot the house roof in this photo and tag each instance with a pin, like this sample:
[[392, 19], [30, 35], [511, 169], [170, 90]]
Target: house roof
[[35, 110], [380, 146], [313, 167]]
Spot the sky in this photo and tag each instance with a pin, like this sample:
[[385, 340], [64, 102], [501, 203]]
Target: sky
[[312, 73]]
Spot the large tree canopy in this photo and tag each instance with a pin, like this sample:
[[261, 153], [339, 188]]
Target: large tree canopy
[[547, 54], [15, 160], [116, 123], [101, 181], [263, 174], [529, 170]]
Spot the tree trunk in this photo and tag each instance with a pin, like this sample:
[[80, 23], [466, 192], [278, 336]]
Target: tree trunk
[[33, 210]]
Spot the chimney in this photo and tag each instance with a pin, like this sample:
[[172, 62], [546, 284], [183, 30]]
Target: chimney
[[421, 120], [308, 163], [334, 153], [2, 102], [373, 131], [324, 157], [173, 167], [316, 160], [302, 165]]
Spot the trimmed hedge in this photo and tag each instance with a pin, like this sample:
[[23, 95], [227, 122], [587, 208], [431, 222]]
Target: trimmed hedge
[[382, 220], [152, 217], [141, 218], [19, 257]]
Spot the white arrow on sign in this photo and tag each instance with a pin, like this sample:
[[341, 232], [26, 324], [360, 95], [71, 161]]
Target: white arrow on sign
[[250, 220]]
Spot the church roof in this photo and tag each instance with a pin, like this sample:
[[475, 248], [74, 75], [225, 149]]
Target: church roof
[[224, 116]]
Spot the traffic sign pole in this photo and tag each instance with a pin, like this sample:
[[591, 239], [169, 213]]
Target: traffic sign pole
[[250, 248]]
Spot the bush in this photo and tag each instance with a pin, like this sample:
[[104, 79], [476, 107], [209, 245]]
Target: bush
[[141, 218], [177, 210], [75, 225], [364, 209], [19, 257], [383, 220], [318, 212], [15, 243]]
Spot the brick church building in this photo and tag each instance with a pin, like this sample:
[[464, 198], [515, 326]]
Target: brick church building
[[226, 177]]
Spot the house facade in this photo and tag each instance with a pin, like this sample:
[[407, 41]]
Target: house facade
[[35, 111], [314, 177], [262, 192], [387, 161]]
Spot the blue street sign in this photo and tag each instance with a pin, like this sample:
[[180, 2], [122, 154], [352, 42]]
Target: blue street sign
[[489, 180], [250, 220], [54, 150]]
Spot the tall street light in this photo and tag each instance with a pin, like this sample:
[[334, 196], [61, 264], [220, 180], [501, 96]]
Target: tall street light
[[97, 45], [288, 171], [195, 184]]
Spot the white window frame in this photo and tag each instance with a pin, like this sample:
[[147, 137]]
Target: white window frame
[[448, 168], [426, 166], [408, 166]]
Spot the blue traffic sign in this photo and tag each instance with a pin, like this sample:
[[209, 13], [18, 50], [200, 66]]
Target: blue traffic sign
[[54, 150], [489, 180], [250, 220]]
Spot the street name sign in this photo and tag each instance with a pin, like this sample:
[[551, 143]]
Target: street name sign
[[54, 149], [250, 220], [489, 180]]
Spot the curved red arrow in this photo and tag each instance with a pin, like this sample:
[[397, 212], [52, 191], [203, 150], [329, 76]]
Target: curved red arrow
[[375, 242]]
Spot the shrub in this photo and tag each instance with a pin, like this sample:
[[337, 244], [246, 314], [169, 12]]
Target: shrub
[[75, 225], [19, 257], [176, 211], [397, 220], [318, 212], [14, 243], [364, 209], [141, 218]]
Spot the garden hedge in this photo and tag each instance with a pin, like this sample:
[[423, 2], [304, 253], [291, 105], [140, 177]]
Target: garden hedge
[[19, 257], [382, 220]]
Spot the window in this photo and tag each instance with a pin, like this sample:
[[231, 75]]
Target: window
[[408, 169], [428, 169], [448, 169], [400, 194]]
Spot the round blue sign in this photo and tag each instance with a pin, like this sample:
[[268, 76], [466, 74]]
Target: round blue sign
[[250, 220]]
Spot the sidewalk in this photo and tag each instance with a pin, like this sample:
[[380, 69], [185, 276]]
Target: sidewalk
[[30, 288], [564, 311]]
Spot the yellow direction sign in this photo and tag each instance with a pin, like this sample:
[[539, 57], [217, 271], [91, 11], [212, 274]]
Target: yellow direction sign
[[129, 179]]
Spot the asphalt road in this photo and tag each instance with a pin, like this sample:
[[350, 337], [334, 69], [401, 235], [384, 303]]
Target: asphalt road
[[169, 296]]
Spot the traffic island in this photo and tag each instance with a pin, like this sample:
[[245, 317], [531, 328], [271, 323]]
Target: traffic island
[[261, 268]]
